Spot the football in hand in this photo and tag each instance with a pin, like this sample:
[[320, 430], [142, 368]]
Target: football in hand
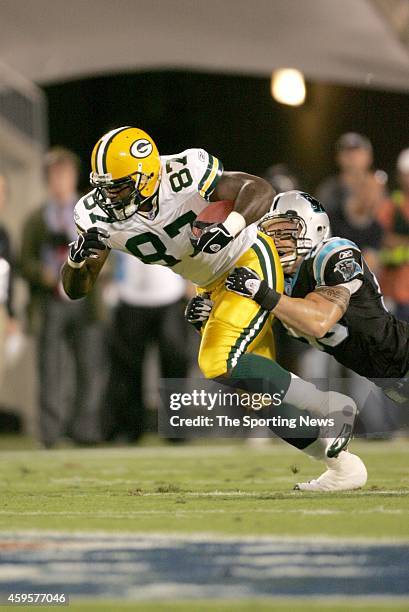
[[215, 212]]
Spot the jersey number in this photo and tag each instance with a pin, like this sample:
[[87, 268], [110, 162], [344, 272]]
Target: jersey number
[[178, 180], [156, 245]]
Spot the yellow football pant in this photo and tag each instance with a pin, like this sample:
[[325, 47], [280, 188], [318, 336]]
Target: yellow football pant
[[237, 324]]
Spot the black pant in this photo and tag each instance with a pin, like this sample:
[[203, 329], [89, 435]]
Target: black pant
[[70, 361], [134, 329]]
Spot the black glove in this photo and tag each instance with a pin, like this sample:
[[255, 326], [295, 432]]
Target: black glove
[[213, 239], [246, 282], [88, 244], [243, 281], [198, 311]]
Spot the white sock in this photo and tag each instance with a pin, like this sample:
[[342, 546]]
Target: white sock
[[306, 396]]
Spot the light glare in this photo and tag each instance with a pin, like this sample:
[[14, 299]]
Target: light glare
[[288, 86]]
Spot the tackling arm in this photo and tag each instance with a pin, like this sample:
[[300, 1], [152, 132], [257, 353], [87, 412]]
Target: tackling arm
[[315, 314]]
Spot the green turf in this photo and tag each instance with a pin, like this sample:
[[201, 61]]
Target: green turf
[[221, 488]]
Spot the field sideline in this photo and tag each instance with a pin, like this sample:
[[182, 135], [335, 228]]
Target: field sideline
[[232, 492]]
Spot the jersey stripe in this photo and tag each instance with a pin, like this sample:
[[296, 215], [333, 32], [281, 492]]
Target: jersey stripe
[[103, 148], [211, 176], [332, 246]]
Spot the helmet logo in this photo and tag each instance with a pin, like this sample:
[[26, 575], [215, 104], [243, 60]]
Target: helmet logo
[[315, 205], [141, 148]]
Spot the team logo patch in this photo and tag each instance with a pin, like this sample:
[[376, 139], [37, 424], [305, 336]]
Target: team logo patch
[[141, 148], [348, 268]]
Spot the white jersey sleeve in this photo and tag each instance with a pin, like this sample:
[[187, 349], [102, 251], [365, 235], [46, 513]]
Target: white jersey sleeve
[[204, 169], [88, 214]]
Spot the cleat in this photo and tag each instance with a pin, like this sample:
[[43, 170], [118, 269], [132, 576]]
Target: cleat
[[341, 442], [344, 473]]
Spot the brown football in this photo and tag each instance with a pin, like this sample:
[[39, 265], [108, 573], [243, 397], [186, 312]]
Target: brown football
[[215, 212]]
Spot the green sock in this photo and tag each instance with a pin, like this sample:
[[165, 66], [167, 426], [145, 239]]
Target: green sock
[[259, 374]]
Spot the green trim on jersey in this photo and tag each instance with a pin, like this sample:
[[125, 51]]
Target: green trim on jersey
[[272, 259], [210, 178]]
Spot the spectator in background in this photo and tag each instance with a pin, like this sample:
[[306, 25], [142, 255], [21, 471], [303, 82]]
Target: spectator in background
[[281, 178], [7, 322], [354, 157], [394, 217], [67, 332], [357, 220], [149, 313]]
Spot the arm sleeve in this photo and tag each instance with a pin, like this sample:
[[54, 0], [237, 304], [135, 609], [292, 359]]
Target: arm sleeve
[[339, 261], [206, 171]]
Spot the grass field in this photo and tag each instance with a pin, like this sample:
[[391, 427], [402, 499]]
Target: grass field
[[232, 489], [220, 489]]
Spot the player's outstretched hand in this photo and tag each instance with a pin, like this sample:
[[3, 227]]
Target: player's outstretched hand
[[88, 244], [212, 239], [198, 311], [244, 281]]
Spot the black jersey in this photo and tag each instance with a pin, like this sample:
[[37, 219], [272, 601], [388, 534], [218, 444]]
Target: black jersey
[[368, 339]]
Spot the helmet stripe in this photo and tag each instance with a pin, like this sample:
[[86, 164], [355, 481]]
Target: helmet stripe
[[103, 148], [94, 161]]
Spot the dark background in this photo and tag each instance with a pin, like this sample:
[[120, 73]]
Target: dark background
[[234, 118]]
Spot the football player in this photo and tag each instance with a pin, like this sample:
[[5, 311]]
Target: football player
[[331, 299], [146, 204]]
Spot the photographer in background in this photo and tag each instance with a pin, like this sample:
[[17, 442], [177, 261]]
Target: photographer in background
[[68, 334]]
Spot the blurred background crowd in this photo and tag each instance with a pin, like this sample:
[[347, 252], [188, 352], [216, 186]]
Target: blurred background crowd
[[87, 371]]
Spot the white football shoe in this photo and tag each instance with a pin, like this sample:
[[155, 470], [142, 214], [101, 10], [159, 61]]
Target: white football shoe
[[344, 473]]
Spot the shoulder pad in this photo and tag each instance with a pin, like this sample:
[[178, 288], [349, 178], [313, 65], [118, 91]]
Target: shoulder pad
[[337, 261]]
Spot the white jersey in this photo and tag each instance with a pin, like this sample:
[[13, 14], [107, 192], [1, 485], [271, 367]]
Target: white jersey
[[187, 181]]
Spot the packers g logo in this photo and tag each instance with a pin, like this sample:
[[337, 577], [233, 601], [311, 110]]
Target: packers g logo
[[141, 148]]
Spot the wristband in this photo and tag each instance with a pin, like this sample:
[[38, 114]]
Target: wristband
[[234, 223], [74, 264], [266, 297]]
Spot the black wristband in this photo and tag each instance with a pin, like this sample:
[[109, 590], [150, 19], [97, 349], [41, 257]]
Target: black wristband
[[266, 297]]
